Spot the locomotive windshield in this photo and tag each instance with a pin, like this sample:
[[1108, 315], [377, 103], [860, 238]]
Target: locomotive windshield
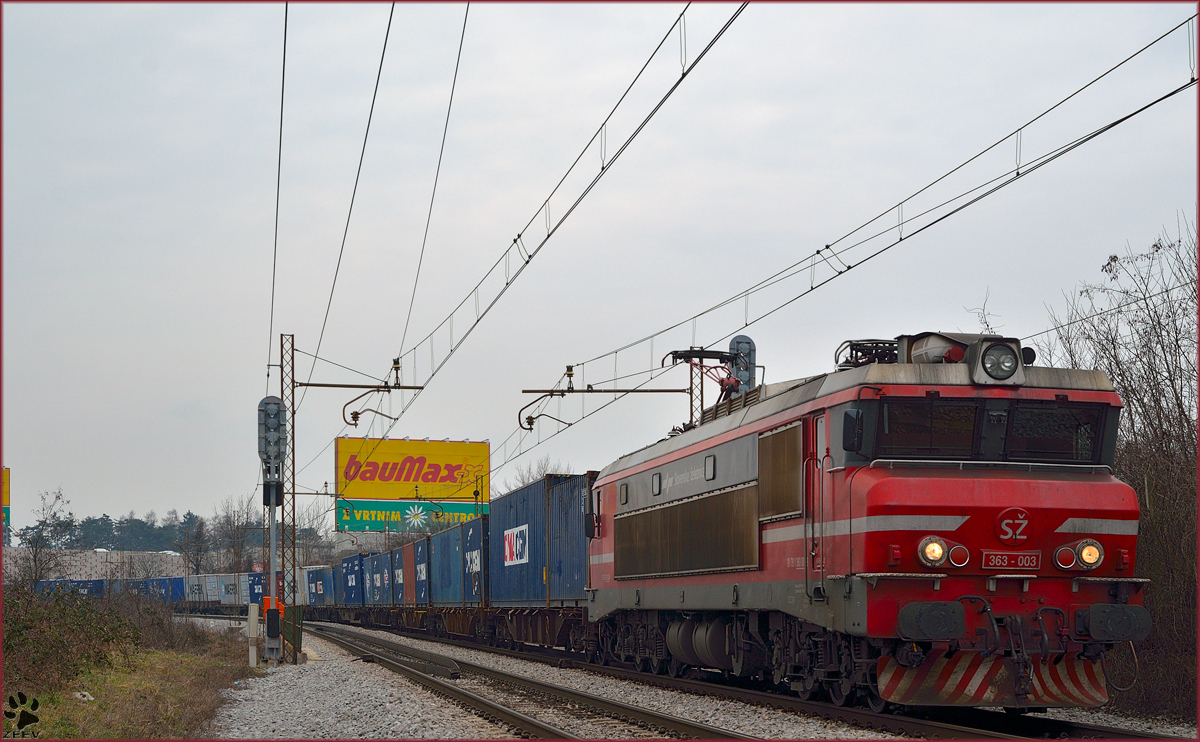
[[927, 429], [953, 429], [1048, 432]]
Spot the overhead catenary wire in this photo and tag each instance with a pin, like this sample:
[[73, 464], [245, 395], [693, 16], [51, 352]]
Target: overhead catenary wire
[[517, 244], [437, 172], [556, 225], [1031, 167], [1111, 309], [805, 262], [353, 193], [278, 180]]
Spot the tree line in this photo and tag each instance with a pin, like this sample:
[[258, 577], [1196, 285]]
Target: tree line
[[229, 540]]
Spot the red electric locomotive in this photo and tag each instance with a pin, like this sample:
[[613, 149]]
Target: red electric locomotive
[[934, 523]]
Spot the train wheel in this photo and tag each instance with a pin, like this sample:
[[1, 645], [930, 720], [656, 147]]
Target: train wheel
[[661, 667], [676, 669], [838, 691], [874, 701]]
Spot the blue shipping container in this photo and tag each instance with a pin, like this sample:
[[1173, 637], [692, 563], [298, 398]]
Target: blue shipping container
[[517, 531], [352, 580], [475, 560], [380, 579], [568, 553], [316, 587], [446, 562], [398, 576], [255, 582], [421, 565]]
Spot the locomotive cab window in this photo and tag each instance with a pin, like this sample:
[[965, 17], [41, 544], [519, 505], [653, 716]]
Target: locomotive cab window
[[1050, 432], [926, 428]]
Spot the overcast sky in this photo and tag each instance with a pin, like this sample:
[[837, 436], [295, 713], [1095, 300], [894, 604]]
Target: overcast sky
[[140, 146]]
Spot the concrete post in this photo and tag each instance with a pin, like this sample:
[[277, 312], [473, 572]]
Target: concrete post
[[252, 632]]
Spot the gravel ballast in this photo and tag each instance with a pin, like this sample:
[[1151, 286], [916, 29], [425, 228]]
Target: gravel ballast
[[732, 715], [334, 697]]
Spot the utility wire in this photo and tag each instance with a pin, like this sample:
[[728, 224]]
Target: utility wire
[[332, 363], [1110, 309], [552, 229], [1016, 175], [1019, 129], [278, 174], [527, 257], [436, 173], [550, 232], [806, 262], [353, 193]]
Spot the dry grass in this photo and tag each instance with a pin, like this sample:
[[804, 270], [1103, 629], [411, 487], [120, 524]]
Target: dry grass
[[156, 694]]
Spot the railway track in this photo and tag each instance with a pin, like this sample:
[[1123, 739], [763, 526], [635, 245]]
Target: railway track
[[930, 723], [576, 715]]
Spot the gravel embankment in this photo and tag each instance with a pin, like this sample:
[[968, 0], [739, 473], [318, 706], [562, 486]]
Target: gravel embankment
[[733, 715], [335, 698]]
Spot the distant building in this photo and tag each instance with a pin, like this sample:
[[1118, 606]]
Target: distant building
[[100, 564]]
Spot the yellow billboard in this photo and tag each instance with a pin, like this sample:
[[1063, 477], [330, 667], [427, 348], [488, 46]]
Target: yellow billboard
[[382, 469]]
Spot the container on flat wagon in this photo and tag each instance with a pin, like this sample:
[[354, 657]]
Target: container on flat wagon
[[567, 555], [229, 589], [254, 582], [517, 531], [243, 588], [421, 571], [445, 567], [372, 581], [212, 588], [177, 589], [398, 576], [90, 588], [300, 580], [352, 580], [408, 563], [194, 589], [314, 578], [381, 578], [475, 561], [327, 583]]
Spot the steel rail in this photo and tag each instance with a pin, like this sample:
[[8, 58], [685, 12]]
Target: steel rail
[[667, 722], [515, 719], [972, 723], [949, 722]]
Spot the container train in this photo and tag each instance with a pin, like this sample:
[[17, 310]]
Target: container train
[[935, 522]]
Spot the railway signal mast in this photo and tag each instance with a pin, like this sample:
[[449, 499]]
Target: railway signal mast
[[272, 449]]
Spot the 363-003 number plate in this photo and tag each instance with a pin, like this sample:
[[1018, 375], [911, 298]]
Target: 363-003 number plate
[[1012, 560]]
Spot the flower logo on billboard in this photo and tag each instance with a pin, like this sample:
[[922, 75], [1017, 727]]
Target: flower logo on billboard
[[415, 516]]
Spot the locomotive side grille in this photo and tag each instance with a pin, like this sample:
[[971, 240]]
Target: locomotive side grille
[[780, 456], [709, 534]]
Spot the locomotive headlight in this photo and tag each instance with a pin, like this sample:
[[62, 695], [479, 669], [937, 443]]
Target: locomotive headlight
[[932, 551], [1091, 553], [999, 361]]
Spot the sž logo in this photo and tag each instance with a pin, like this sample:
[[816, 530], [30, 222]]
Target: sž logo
[[516, 545], [1012, 526], [411, 469]]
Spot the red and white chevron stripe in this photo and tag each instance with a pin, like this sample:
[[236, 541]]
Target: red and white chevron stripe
[[967, 679]]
